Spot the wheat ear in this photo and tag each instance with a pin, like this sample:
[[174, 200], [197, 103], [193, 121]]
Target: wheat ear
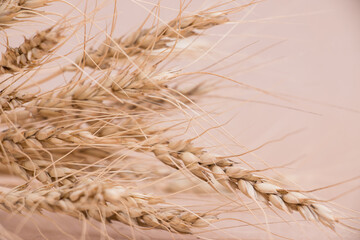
[[125, 90], [21, 151], [29, 53], [144, 41], [207, 166], [104, 201]]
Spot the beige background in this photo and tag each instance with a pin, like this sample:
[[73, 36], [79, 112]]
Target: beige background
[[315, 71]]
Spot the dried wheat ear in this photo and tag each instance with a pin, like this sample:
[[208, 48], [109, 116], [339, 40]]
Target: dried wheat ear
[[207, 166], [60, 137], [29, 54], [104, 201], [145, 41]]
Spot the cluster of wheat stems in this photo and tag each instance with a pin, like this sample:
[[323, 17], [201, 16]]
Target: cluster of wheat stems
[[79, 146]]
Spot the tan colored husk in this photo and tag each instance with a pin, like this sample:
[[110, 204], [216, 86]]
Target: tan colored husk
[[104, 201]]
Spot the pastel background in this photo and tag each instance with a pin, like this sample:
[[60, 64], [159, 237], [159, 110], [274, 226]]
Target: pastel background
[[313, 69]]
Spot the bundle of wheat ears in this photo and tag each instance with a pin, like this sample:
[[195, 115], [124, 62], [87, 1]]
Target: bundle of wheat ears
[[99, 129]]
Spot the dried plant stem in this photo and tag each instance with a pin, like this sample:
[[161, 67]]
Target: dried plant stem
[[104, 202]]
